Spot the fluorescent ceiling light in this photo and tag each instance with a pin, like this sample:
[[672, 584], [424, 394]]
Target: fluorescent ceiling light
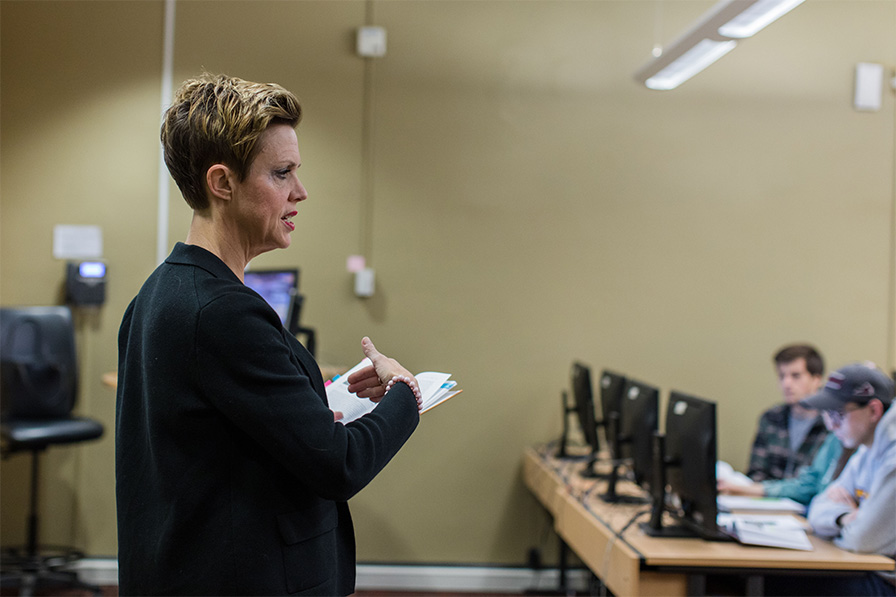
[[757, 17], [704, 42], [690, 63]]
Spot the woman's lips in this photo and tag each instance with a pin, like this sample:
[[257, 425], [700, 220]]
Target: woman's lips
[[287, 220]]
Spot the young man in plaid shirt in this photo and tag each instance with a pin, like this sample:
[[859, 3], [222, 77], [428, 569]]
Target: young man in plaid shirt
[[789, 434]]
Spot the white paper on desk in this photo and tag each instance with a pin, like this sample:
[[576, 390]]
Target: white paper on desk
[[730, 503], [768, 530], [726, 472]]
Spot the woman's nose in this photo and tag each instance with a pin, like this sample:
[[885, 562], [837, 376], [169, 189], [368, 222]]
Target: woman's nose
[[299, 193]]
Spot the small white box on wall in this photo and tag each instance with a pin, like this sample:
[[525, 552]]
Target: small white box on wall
[[869, 86], [365, 281], [371, 42]]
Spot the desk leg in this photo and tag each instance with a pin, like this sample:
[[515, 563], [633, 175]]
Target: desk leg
[[595, 585], [755, 585], [563, 567], [696, 584]]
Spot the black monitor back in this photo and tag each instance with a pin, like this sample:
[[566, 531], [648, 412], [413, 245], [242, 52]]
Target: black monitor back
[[691, 461], [612, 386], [638, 422], [583, 397]]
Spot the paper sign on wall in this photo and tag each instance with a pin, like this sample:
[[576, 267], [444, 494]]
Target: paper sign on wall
[[77, 242]]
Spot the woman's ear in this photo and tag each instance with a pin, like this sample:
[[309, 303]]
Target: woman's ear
[[219, 179]]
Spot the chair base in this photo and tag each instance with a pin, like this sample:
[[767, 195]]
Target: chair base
[[36, 574]]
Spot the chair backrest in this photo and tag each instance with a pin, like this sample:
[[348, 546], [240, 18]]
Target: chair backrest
[[38, 364]]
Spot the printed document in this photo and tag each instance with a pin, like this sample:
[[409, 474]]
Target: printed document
[[434, 387]]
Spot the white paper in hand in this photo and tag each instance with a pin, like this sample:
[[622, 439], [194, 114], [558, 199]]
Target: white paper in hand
[[435, 388], [341, 400]]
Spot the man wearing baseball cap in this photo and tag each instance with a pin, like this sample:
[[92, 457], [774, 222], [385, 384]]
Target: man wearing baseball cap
[[858, 510]]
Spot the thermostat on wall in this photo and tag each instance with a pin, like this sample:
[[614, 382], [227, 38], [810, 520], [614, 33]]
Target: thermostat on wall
[[365, 282], [371, 42], [85, 283]]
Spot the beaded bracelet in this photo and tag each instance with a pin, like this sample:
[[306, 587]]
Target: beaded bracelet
[[411, 384]]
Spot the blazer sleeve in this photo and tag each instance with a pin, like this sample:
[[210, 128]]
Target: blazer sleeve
[[249, 373]]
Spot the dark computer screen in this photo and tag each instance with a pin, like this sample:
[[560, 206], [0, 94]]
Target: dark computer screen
[[611, 387], [690, 456], [278, 287], [583, 398], [639, 421], [632, 429]]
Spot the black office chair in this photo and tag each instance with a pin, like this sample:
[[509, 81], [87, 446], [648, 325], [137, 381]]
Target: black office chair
[[38, 389]]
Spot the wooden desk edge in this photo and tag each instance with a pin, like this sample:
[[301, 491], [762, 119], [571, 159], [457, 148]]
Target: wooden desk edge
[[571, 518]]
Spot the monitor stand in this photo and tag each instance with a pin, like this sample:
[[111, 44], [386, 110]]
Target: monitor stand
[[561, 451], [655, 527], [589, 473], [611, 497], [675, 531]]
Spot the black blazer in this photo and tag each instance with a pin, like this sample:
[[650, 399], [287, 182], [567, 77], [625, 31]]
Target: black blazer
[[231, 475]]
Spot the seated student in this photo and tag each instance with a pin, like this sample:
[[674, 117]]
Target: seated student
[[856, 510], [809, 481], [789, 434]]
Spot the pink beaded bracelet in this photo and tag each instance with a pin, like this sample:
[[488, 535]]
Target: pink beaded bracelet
[[411, 384]]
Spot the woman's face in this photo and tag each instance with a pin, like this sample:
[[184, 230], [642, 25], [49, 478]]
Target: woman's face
[[265, 202]]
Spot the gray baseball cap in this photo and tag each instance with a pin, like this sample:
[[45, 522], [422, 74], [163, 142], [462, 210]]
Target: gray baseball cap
[[857, 383]]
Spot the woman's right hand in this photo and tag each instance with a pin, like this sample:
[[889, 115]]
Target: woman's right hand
[[370, 382]]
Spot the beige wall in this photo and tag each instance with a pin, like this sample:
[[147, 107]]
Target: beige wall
[[529, 205]]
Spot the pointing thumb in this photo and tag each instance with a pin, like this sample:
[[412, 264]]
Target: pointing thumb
[[369, 349]]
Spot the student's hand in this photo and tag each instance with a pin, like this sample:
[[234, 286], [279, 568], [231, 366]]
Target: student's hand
[[753, 489], [370, 382], [840, 495], [337, 415], [844, 519]]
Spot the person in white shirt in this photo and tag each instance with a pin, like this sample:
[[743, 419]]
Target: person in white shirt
[[858, 510]]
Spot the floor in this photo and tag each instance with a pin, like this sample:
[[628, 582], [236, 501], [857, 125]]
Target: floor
[[113, 592]]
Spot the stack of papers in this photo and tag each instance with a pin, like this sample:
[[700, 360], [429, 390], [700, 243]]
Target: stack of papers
[[732, 503], [435, 388], [726, 472], [768, 530]]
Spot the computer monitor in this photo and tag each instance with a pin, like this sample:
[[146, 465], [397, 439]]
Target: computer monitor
[[640, 420], [279, 287], [687, 460], [583, 399], [583, 408], [632, 431], [612, 385]]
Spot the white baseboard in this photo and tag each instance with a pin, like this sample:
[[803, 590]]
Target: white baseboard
[[98, 571], [386, 577], [462, 579]]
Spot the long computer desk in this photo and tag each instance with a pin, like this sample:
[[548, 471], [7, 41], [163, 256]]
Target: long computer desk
[[630, 562]]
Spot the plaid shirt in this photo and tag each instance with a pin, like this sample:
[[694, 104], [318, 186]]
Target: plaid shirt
[[771, 457]]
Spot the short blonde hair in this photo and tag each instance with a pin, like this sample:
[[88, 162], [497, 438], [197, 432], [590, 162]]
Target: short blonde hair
[[216, 119]]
